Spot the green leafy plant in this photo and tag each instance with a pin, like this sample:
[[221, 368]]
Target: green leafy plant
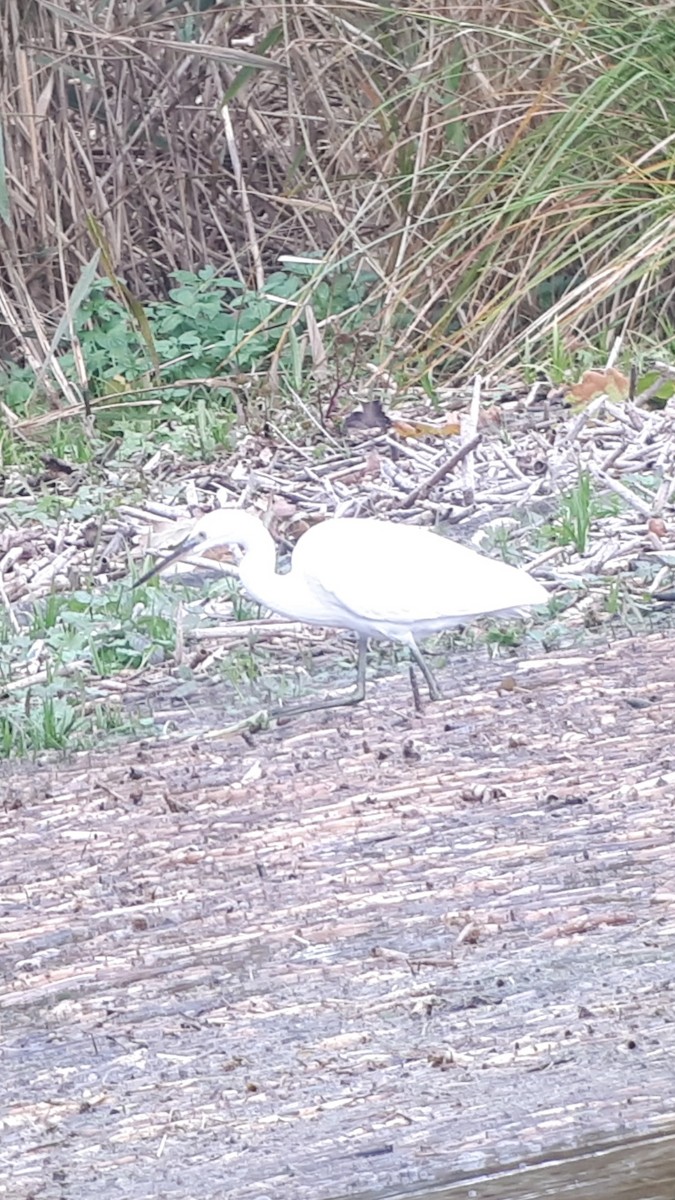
[[53, 716], [207, 325], [575, 518], [79, 638], [504, 638], [211, 336], [578, 509]]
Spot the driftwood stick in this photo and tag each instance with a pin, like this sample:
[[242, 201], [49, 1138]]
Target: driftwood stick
[[621, 490], [440, 473], [470, 429]]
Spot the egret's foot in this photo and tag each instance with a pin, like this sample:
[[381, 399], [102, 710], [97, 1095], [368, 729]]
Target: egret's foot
[[351, 698], [297, 710], [253, 724]]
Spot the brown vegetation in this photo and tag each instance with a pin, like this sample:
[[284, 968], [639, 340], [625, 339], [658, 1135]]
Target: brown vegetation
[[481, 160]]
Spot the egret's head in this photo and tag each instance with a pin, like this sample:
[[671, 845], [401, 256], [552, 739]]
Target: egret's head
[[222, 527]]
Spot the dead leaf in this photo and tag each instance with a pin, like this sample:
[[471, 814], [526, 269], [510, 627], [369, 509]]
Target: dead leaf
[[490, 416], [420, 429], [609, 382], [372, 467], [373, 416], [369, 469], [656, 526]]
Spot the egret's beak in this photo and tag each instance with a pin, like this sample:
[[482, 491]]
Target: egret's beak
[[183, 549]]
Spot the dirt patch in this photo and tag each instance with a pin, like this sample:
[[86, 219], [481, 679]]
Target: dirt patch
[[365, 950]]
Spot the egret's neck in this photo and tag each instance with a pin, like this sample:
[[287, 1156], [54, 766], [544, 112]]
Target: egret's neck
[[258, 568]]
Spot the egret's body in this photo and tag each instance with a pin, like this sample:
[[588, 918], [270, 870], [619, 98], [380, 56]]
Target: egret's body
[[398, 582]]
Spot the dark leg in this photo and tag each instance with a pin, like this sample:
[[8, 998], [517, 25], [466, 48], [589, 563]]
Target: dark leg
[[417, 699], [355, 697], [434, 690]]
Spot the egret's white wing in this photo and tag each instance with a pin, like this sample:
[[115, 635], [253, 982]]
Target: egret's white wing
[[404, 576]]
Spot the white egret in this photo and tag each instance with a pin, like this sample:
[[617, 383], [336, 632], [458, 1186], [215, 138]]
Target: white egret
[[381, 580]]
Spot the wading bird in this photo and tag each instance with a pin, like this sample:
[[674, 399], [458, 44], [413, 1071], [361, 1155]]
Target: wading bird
[[381, 580]]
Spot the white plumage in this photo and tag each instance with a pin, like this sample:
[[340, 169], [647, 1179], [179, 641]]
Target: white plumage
[[376, 578]]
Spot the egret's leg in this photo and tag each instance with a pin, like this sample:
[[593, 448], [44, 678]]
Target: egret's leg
[[355, 697], [434, 690], [417, 700]]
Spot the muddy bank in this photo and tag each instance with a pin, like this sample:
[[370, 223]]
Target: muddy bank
[[367, 950]]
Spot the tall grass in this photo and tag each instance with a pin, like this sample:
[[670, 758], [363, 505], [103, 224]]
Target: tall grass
[[499, 170]]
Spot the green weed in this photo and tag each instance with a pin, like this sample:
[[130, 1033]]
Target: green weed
[[578, 509], [53, 716], [213, 337], [241, 665], [208, 326], [78, 638], [504, 638], [575, 518]]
